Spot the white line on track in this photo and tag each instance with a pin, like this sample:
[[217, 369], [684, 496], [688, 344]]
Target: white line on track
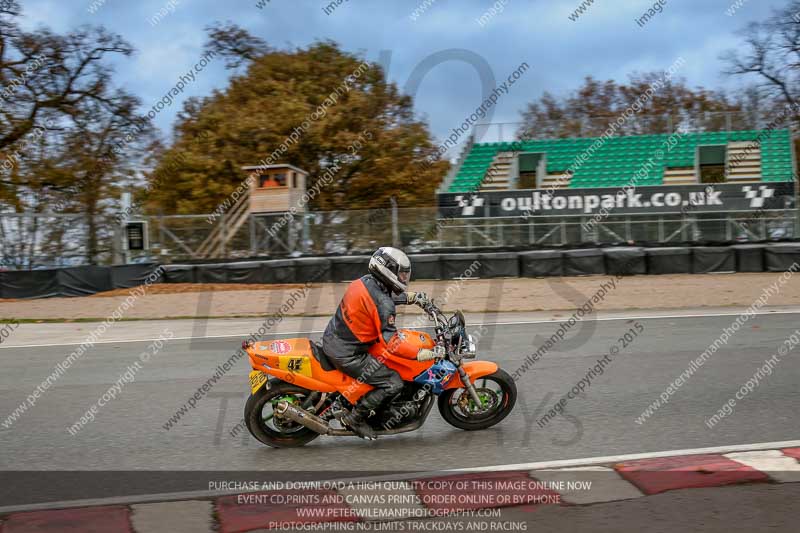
[[542, 465], [511, 323]]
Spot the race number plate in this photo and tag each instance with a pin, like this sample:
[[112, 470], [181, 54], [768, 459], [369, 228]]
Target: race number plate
[[296, 365], [257, 380]]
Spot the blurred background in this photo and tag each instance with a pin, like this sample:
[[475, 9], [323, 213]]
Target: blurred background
[[170, 130]]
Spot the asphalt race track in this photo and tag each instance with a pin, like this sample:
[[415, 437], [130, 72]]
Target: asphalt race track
[[128, 432]]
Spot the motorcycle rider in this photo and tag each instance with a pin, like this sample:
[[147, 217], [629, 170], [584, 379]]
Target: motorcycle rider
[[365, 317]]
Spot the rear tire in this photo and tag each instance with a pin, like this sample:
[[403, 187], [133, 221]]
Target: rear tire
[[274, 431], [453, 415]]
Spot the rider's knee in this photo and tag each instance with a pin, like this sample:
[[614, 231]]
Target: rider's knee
[[395, 384]]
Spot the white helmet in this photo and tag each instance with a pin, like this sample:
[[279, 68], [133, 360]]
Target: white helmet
[[392, 267]]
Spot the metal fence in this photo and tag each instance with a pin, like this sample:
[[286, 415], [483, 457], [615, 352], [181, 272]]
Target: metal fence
[[315, 233], [40, 241], [30, 240], [542, 232]]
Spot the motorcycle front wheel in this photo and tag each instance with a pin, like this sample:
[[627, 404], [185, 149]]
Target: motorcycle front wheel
[[498, 394]]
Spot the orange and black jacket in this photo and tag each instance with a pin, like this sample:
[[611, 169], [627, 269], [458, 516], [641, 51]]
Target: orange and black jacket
[[365, 317]]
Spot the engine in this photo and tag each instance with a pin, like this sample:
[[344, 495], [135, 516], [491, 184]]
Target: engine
[[398, 413]]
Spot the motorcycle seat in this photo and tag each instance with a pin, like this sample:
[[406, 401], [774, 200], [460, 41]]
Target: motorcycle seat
[[321, 357]]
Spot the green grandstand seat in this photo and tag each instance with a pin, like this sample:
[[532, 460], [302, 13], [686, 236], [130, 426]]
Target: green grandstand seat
[[619, 159]]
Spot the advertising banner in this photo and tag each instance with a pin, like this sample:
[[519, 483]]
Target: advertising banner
[[619, 201]]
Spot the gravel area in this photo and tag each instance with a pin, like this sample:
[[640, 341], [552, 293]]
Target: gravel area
[[494, 295]]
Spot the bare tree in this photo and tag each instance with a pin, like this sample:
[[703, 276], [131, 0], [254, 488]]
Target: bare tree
[[590, 109], [45, 75], [771, 56], [68, 137]]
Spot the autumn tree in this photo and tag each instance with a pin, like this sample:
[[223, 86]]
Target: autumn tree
[[310, 107]]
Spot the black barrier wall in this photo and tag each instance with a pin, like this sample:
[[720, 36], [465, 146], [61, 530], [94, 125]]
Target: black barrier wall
[[80, 281], [73, 281]]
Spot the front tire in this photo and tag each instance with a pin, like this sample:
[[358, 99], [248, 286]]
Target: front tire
[[455, 406], [270, 429]]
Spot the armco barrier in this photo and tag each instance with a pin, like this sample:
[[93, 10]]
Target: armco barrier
[[72, 281], [350, 267], [179, 274], [498, 265], [245, 272], [77, 281], [627, 261], [215, 273], [541, 263], [128, 276], [316, 269], [83, 280], [586, 262], [455, 265], [426, 266], [779, 257], [280, 271], [673, 260], [749, 257], [29, 284], [707, 259]]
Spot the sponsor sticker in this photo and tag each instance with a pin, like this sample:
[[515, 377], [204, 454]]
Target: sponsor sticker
[[280, 347], [295, 365]]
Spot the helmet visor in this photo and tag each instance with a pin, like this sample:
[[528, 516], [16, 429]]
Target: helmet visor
[[404, 276]]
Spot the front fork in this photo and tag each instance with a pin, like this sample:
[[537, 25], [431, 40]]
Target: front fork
[[470, 387]]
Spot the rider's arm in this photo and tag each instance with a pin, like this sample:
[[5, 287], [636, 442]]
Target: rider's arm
[[387, 315], [384, 317], [410, 297], [402, 298]]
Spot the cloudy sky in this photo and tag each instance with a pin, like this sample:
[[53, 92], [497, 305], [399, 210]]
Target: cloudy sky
[[605, 42]]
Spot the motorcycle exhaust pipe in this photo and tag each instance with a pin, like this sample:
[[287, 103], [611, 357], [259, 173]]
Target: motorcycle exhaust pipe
[[303, 417]]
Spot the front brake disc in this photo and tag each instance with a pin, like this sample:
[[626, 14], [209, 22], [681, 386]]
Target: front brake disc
[[489, 400]]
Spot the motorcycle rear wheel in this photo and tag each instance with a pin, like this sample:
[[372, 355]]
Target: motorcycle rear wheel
[[269, 428], [456, 410]]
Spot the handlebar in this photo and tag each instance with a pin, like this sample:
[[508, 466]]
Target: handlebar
[[430, 307], [434, 313], [444, 336]]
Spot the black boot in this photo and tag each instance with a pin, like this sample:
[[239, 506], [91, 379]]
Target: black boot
[[355, 419]]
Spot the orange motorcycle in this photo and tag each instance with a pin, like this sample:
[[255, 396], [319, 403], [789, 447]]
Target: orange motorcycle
[[298, 395]]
